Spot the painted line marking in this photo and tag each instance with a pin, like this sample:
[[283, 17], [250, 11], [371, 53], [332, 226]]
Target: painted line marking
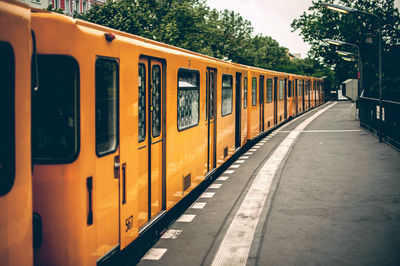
[[240, 161], [207, 195], [154, 254], [198, 205], [215, 186], [171, 234], [327, 131], [235, 166], [253, 149], [223, 178], [235, 246], [248, 153], [244, 157], [186, 218], [229, 171]]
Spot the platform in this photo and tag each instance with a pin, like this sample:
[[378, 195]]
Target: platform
[[318, 191]]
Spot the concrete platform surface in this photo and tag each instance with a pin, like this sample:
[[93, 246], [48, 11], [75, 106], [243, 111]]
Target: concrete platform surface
[[318, 191]]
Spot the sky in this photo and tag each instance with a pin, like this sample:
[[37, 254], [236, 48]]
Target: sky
[[271, 18]]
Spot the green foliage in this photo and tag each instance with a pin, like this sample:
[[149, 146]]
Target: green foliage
[[192, 25], [319, 23]]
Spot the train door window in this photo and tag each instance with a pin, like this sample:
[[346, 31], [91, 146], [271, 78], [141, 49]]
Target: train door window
[[227, 95], [7, 117], [156, 100], [142, 103], [300, 88], [188, 98], [106, 106], [290, 88], [269, 90], [210, 76], [55, 112], [245, 93], [281, 88], [254, 91]]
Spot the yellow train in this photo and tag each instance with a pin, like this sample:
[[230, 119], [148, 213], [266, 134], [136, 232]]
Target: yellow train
[[106, 131]]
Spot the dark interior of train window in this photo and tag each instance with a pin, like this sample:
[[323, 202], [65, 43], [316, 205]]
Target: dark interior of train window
[[55, 110], [188, 98], [245, 93], [254, 91], [142, 103], [290, 87], [106, 106], [7, 116], [269, 90], [227, 95]]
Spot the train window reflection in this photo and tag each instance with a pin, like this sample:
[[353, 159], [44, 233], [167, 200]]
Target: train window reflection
[[254, 92], [156, 100], [269, 90], [188, 98], [142, 103], [7, 140], [55, 110], [245, 93], [106, 106], [227, 95], [281, 88]]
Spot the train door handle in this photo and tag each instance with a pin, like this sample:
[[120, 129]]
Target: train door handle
[[124, 183], [116, 166]]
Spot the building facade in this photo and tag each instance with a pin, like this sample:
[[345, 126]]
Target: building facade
[[68, 6]]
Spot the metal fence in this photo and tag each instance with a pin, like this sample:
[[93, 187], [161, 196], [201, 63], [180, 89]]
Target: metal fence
[[370, 119]]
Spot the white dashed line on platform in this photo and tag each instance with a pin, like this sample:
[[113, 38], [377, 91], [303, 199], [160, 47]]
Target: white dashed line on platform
[[244, 157], [154, 254], [248, 153], [253, 149], [171, 234], [186, 218], [235, 166], [207, 195], [240, 161], [229, 171], [215, 186], [198, 205], [223, 178]]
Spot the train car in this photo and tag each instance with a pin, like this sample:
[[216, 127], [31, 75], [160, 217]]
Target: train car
[[122, 142], [15, 158]]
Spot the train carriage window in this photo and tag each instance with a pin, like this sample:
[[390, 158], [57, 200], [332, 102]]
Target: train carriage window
[[55, 112], [227, 95], [188, 98], [254, 91], [290, 87], [142, 103], [300, 87], [7, 117], [281, 88], [156, 100], [106, 106], [245, 93], [269, 90]]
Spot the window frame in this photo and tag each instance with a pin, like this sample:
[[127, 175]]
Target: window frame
[[272, 85], [154, 66], [145, 105], [254, 91], [222, 88], [7, 181], [78, 115], [116, 60], [245, 91], [177, 102], [281, 95]]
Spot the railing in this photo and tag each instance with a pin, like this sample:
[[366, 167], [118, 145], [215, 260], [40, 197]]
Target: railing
[[370, 118]]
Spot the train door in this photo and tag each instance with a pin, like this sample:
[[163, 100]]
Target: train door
[[275, 100], [211, 121], [151, 138], [302, 93], [295, 96], [285, 98], [261, 100], [238, 110]]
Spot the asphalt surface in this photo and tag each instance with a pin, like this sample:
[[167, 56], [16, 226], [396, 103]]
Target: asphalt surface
[[334, 200]]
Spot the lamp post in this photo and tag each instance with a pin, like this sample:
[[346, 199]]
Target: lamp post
[[359, 65], [345, 10]]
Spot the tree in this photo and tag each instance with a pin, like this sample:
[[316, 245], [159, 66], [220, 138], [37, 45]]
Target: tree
[[320, 23]]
